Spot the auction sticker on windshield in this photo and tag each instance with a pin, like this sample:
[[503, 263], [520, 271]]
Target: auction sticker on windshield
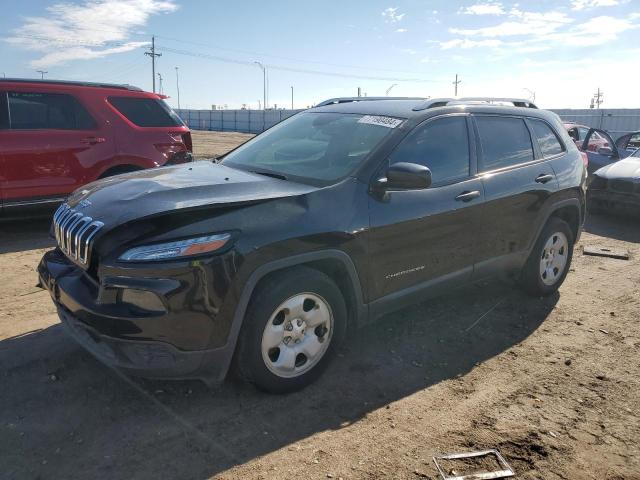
[[388, 122]]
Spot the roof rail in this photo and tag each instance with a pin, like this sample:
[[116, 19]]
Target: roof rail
[[333, 101], [70, 82], [444, 102]]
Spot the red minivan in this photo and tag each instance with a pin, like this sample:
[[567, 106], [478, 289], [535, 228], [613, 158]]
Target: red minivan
[[56, 136]]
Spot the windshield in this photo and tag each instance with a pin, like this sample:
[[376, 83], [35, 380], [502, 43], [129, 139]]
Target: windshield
[[313, 146]]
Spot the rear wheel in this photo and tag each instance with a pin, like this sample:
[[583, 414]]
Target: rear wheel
[[550, 259], [292, 328]]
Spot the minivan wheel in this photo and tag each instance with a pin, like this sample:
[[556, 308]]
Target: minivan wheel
[[550, 259], [291, 330]]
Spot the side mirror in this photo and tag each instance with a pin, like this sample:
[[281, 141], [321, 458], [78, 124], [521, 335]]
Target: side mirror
[[406, 176], [606, 151]]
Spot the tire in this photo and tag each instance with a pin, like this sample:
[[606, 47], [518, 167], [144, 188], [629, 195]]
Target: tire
[[295, 321], [550, 260]]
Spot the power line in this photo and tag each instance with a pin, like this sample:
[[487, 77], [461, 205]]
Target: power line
[[291, 69]]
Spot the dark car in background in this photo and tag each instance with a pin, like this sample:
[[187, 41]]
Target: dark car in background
[[321, 224], [615, 187], [56, 136]]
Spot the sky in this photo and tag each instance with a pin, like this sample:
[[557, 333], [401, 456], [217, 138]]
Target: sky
[[561, 51]]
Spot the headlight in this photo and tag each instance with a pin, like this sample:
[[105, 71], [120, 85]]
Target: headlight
[[180, 248]]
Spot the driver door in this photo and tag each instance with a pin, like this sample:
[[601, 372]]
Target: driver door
[[603, 155], [425, 238]]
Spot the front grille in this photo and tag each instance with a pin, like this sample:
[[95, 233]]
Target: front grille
[[74, 233]]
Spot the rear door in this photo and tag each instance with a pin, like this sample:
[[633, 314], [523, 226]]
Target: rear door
[[517, 181], [427, 236], [51, 147]]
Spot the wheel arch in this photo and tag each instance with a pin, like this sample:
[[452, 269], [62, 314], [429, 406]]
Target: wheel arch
[[570, 210], [334, 263]]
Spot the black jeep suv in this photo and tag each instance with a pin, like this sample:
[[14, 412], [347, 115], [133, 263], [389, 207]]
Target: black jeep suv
[[326, 221]]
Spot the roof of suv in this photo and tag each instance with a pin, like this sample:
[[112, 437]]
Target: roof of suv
[[413, 108], [71, 83]]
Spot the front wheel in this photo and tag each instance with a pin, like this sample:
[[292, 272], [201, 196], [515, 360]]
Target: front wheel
[[550, 259], [293, 325]]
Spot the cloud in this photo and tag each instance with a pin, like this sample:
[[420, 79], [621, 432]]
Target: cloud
[[483, 9], [596, 31], [523, 23], [91, 29], [466, 43], [584, 4], [401, 30], [391, 15]]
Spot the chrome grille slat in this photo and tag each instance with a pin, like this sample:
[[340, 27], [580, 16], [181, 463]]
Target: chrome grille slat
[[74, 233]]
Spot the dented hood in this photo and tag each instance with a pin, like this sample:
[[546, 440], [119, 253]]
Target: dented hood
[[628, 169], [146, 193]]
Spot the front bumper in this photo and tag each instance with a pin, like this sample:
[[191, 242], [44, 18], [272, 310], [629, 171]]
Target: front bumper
[[158, 344]]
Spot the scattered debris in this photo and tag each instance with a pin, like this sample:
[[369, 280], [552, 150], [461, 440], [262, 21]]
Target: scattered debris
[[603, 331], [553, 434], [493, 454], [606, 252], [567, 362]]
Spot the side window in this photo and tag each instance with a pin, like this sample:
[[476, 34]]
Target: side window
[[30, 111], [146, 112], [4, 112], [547, 139], [582, 132], [442, 145], [505, 141]]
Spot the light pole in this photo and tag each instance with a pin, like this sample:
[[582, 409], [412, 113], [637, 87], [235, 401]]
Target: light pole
[[389, 89], [532, 93], [42, 72], [178, 87], [160, 82], [264, 84]]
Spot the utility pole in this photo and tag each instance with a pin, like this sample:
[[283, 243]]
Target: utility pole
[[389, 89], [160, 83], [456, 83], [152, 53], [359, 92], [291, 97], [178, 87], [264, 83], [597, 98], [42, 72]]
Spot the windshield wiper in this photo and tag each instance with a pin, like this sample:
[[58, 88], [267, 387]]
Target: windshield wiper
[[269, 174]]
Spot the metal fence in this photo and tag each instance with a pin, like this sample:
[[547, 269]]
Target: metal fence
[[616, 121], [247, 121]]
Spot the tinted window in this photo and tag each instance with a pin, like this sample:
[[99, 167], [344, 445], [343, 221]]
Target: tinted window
[[442, 145], [146, 112], [4, 113], [547, 139], [505, 141], [31, 110], [313, 146], [582, 132]]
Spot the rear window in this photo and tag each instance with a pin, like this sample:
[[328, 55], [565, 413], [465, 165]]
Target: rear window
[[505, 141], [146, 112], [35, 111], [547, 139]]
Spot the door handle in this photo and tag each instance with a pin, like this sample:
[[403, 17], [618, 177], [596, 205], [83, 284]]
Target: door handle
[[93, 140], [467, 196], [544, 178]]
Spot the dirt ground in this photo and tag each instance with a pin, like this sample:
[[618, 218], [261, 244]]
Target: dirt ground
[[552, 383], [213, 144]]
